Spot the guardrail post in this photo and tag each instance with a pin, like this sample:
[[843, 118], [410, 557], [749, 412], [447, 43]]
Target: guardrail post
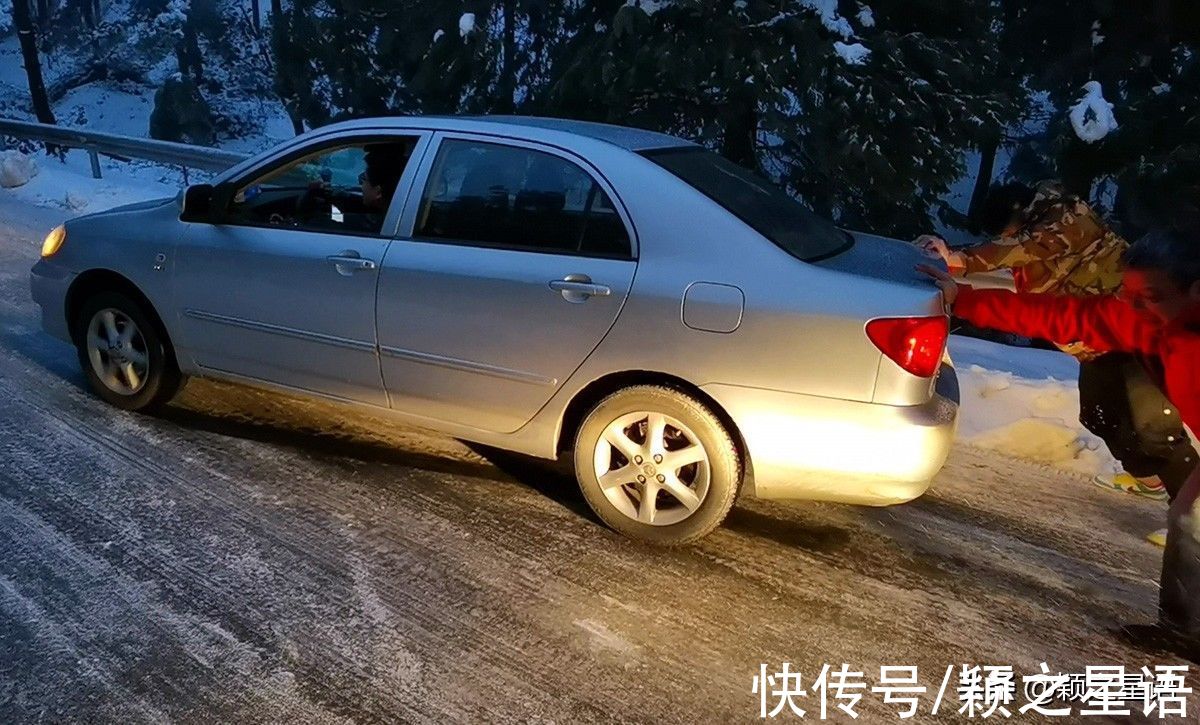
[[185, 177], [95, 159]]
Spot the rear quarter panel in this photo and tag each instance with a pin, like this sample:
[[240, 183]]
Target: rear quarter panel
[[802, 326]]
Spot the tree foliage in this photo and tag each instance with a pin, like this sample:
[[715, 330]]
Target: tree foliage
[[866, 109]]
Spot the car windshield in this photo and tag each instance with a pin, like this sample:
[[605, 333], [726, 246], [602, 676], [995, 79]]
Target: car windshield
[[759, 203]]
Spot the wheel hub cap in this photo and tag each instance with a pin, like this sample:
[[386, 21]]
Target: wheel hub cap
[[652, 468], [117, 351]]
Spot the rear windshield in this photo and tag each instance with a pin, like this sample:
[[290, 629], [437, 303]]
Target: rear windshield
[[759, 203]]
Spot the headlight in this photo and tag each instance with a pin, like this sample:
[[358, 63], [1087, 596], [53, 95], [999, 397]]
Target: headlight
[[54, 240]]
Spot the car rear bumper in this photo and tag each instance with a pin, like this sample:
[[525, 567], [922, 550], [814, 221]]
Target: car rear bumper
[[48, 284], [822, 449]]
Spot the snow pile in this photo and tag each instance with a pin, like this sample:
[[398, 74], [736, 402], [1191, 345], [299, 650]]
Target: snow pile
[[1092, 117], [1024, 403], [16, 169], [826, 10], [853, 54], [466, 24]]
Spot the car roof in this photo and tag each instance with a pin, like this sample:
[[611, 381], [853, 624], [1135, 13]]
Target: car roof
[[631, 139]]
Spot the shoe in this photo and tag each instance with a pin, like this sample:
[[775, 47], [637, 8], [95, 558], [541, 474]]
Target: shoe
[[1157, 639], [1158, 538], [1149, 487]]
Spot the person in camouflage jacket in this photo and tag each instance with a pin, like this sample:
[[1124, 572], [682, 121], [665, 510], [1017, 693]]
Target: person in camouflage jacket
[[1056, 243], [1052, 241]]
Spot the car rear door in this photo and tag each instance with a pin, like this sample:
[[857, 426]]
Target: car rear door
[[517, 263]]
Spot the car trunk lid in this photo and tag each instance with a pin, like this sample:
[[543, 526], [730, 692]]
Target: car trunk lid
[[882, 258]]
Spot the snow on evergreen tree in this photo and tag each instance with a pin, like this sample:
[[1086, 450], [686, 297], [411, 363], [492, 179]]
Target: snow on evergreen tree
[[873, 143], [1092, 116]]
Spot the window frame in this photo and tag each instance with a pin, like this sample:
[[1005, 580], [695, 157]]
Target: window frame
[[417, 192], [296, 152]]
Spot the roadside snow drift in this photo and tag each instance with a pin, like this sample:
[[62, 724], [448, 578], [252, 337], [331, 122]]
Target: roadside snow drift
[[1025, 403]]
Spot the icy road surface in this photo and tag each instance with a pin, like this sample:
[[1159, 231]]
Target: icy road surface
[[250, 557]]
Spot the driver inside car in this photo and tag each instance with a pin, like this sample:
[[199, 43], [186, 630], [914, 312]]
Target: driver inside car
[[324, 206], [384, 165]]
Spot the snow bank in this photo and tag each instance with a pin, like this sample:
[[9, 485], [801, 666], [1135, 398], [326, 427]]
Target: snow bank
[[1025, 403], [1092, 117], [69, 185], [853, 54], [16, 169]]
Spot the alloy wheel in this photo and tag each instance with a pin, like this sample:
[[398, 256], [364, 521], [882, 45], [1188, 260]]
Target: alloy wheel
[[652, 468], [117, 351]]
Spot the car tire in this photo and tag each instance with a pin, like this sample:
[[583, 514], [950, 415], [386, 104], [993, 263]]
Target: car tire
[[614, 470], [134, 342]]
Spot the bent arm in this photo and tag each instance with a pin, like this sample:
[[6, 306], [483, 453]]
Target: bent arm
[[1103, 323], [990, 256]]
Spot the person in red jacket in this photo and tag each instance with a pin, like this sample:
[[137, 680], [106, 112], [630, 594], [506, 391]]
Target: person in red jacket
[[1156, 316]]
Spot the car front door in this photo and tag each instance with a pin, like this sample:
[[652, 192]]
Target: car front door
[[517, 265], [282, 288]]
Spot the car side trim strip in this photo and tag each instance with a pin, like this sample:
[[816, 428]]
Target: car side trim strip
[[281, 330], [519, 376]]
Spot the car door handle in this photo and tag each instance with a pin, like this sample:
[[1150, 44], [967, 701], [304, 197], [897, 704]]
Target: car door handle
[[578, 288], [347, 264]]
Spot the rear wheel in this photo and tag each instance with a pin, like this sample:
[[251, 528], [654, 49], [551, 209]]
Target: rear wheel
[[656, 465], [125, 358]]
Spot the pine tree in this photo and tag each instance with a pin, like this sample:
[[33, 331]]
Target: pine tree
[[865, 117], [1144, 55]]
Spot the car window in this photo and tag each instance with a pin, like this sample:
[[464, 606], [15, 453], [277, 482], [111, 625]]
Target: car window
[[764, 206], [343, 189], [518, 198]]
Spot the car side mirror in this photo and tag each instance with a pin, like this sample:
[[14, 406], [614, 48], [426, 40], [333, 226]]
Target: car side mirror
[[197, 203]]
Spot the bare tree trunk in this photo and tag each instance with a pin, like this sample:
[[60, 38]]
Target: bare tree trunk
[[256, 13], [43, 13], [508, 77], [739, 143], [983, 180], [192, 49], [287, 93], [33, 66]]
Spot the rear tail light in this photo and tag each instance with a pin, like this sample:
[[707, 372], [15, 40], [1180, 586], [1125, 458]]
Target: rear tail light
[[914, 343]]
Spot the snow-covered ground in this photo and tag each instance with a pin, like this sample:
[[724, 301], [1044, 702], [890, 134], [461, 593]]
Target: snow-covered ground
[[69, 185]]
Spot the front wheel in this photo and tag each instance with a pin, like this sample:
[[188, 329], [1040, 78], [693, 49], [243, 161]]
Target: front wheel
[[125, 358], [656, 465]]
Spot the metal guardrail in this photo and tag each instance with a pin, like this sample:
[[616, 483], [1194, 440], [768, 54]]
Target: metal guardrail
[[122, 147]]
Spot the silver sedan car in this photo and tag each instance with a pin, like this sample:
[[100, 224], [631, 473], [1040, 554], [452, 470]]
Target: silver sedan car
[[681, 327]]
